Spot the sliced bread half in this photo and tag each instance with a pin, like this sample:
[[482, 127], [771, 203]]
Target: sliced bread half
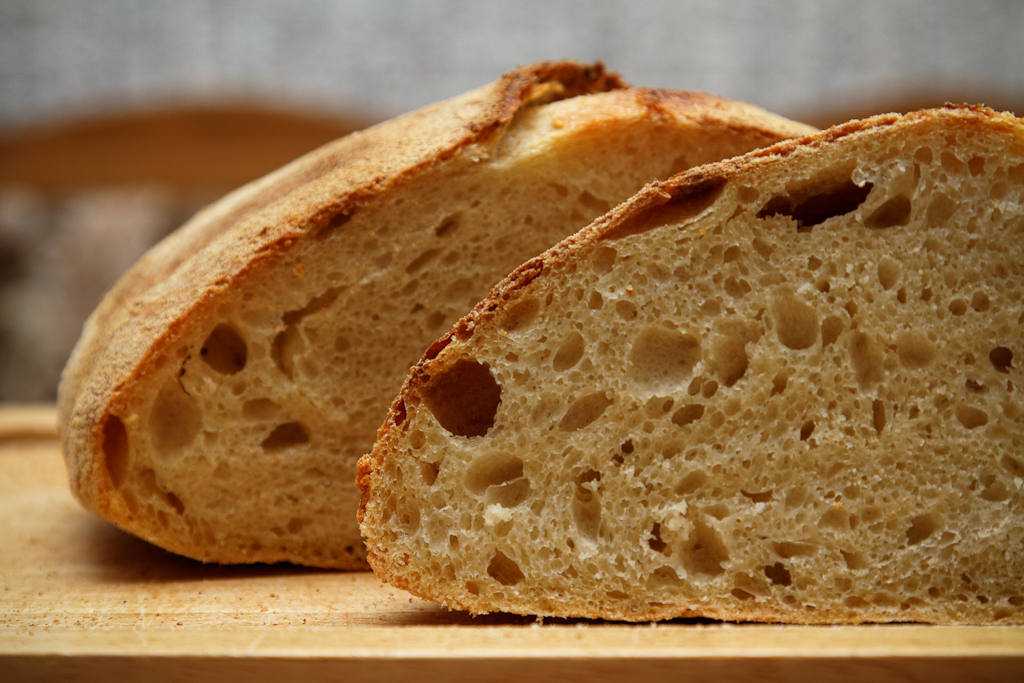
[[784, 387], [220, 396]]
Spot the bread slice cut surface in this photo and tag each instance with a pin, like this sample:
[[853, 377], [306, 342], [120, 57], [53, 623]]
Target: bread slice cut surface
[[784, 387], [223, 391]]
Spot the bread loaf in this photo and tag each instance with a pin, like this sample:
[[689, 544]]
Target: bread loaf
[[220, 396], [785, 387]]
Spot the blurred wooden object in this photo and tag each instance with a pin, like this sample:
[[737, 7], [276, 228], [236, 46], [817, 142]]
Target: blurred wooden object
[[24, 422], [186, 148]]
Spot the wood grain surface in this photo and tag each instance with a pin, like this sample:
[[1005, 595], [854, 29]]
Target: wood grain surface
[[82, 600]]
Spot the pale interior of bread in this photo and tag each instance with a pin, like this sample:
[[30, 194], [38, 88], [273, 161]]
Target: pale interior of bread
[[242, 445], [800, 404]]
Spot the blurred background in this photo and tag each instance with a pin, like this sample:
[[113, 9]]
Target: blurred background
[[120, 118]]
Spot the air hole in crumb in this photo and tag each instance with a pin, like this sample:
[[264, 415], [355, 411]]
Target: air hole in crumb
[[418, 439], [704, 552], [286, 345], [603, 259], [737, 289], [593, 204], [175, 419], [409, 520], [831, 328], [957, 306], [626, 310], [687, 414], [923, 526], [504, 570], [731, 360], [778, 574], [435, 320], [951, 162], [520, 315], [971, 417], [509, 494], [868, 359], [429, 472], [657, 545], [760, 496], [915, 349], [448, 225], [878, 415], [662, 357], [586, 504], [174, 502], [569, 353], [780, 381], [975, 387], [691, 482], [790, 549], [464, 398], [596, 301], [492, 470], [855, 560], [888, 272], [741, 594], [421, 261], [980, 302], [1013, 465], [327, 229], [260, 409], [796, 323], [763, 249], [584, 412], [729, 353], [1001, 358], [806, 430], [224, 350], [893, 212], [835, 518], [817, 202], [284, 436], [940, 210], [115, 450], [995, 490]]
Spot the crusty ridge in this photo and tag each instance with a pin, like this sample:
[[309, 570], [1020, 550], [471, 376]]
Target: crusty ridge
[[425, 450]]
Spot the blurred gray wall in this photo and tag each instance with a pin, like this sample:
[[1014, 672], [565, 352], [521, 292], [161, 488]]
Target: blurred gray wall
[[379, 58], [821, 61]]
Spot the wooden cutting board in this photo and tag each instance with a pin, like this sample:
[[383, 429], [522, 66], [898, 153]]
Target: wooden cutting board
[[81, 600]]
